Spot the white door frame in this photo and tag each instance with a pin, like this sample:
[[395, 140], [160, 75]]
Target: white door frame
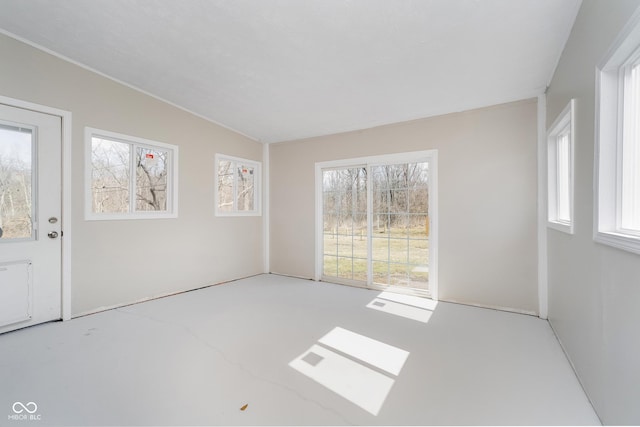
[[430, 156], [543, 285], [65, 116]]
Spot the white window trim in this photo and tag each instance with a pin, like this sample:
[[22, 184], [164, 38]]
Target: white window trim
[[563, 123], [172, 181], [608, 139], [257, 191]]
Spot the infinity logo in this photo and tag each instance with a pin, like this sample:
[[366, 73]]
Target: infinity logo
[[19, 407]]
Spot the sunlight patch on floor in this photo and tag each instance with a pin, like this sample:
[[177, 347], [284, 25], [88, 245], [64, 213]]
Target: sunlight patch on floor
[[350, 365], [407, 306]]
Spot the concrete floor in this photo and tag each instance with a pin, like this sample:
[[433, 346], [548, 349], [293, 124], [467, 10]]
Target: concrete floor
[[295, 352]]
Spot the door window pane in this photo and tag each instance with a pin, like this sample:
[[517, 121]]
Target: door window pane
[[419, 277], [345, 268], [345, 247], [380, 273], [16, 178], [344, 209], [330, 266], [360, 269], [418, 252], [398, 250], [398, 275], [400, 208], [418, 200]]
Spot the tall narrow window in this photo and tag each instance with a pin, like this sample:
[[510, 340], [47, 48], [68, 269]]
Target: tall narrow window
[[630, 153], [237, 186], [618, 143], [560, 171], [129, 177]]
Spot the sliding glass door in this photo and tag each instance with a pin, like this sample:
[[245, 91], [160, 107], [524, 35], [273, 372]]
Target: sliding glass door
[[400, 232], [345, 223], [376, 224]]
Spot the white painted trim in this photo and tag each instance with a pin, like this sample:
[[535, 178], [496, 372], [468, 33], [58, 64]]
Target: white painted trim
[[412, 156], [564, 119], [265, 209], [492, 307], [66, 117], [430, 156], [130, 86], [257, 165], [434, 227], [158, 296], [318, 220], [543, 285], [619, 241], [172, 183], [608, 130]]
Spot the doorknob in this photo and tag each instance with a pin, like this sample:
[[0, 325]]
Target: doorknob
[[52, 234]]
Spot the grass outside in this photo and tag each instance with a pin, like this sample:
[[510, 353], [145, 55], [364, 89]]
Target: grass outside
[[400, 261]]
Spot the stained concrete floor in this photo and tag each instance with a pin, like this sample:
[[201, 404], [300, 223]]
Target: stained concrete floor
[[295, 352]]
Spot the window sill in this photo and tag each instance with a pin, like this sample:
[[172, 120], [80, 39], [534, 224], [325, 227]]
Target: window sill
[[560, 226], [139, 215], [228, 214], [626, 242]]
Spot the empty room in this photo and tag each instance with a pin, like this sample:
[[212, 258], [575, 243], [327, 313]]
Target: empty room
[[319, 212]]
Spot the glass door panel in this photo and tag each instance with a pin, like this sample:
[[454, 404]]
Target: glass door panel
[[345, 237], [400, 224], [16, 183]]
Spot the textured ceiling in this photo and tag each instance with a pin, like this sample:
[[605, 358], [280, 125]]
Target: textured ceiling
[[279, 70]]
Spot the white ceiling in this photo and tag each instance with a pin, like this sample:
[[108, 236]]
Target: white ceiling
[[279, 70]]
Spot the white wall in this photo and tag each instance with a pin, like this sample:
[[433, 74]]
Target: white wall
[[487, 199], [118, 262], [594, 290]]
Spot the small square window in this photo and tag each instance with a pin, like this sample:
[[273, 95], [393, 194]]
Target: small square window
[[560, 171], [237, 186], [129, 177]]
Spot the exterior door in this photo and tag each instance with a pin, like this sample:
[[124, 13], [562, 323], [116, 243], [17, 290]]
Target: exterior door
[[375, 223], [30, 218]]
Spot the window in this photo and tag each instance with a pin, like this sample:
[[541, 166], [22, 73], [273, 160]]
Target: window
[[129, 177], [238, 186], [618, 143], [560, 171]]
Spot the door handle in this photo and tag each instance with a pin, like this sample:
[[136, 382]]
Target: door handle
[[52, 234]]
